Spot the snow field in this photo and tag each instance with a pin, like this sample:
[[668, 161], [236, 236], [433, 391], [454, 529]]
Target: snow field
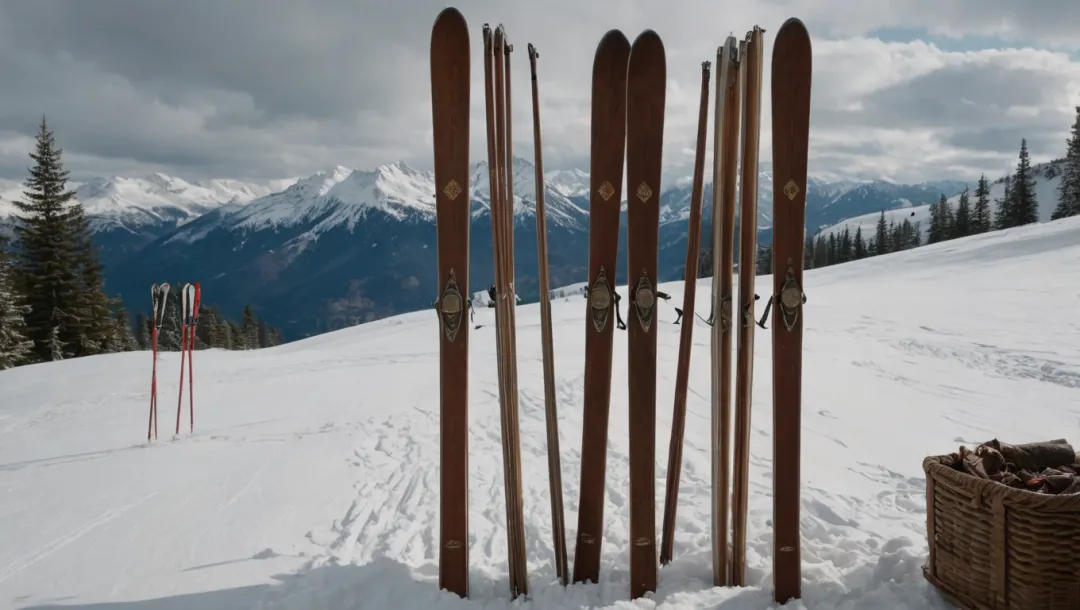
[[311, 480]]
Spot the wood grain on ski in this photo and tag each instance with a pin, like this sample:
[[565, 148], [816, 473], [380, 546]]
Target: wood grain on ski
[[551, 414], [502, 223], [450, 122], [725, 175], [605, 195], [791, 76], [646, 79], [682, 375], [751, 133]]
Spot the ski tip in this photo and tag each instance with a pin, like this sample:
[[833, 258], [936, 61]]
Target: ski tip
[[612, 53], [450, 17], [792, 23], [532, 51], [648, 50], [793, 31], [612, 40], [648, 39], [450, 31]]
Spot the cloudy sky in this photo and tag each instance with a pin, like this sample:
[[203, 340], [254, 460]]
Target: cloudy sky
[[263, 89]]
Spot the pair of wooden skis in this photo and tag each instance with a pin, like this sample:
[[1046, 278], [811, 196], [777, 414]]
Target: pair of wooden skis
[[450, 56], [738, 93]]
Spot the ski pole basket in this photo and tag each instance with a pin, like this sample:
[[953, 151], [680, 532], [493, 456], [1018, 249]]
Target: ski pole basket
[[994, 543]]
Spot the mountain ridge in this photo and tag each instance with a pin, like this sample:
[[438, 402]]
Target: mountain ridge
[[344, 245]]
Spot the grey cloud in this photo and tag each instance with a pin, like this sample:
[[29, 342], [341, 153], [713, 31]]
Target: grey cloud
[[262, 89]]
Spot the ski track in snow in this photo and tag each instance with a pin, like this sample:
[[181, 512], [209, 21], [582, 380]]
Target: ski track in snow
[[312, 479]]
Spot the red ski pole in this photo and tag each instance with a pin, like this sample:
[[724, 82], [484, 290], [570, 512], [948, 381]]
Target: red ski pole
[[191, 355], [183, 352], [153, 392]]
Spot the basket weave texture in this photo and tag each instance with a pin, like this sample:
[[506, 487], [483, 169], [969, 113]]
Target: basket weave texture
[[994, 547]]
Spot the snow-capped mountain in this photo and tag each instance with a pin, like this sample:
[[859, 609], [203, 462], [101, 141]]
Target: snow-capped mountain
[[347, 245], [127, 214], [1047, 178]]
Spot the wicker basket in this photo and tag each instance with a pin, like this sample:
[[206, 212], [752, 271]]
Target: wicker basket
[[993, 547]]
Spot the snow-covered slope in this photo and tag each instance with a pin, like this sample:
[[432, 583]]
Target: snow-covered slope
[[1047, 178], [320, 457]]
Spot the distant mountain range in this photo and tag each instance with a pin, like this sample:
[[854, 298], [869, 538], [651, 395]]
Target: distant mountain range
[[345, 246]]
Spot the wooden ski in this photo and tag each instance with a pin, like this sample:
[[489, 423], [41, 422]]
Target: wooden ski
[[751, 53], [605, 196], [558, 527], [725, 175], [496, 73], [792, 65], [450, 123], [682, 375], [646, 79]]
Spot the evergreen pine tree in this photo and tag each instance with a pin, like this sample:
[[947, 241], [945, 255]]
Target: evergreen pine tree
[[946, 218], [916, 234], [95, 325], [860, 244], [962, 222], [764, 260], [47, 269], [847, 251], [980, 217], [15, 345], [821, 252], [236, 338], [264, 330], [142, 331], [1025, 209], [934, 232], [808, 252], [907, 234], [275, 336], [170, 338], [122, 338], [881, 235], [1003, 214], [249, 326], [705, 262], [1069, 187]]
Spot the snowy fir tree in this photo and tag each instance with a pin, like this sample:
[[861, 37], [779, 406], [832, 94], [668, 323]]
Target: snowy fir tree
[[1025, 206], [15, 346], [881, 235], [962, 221], [47, 263], [1069, 187], [250, 328], [1004, 206], [980, 215]]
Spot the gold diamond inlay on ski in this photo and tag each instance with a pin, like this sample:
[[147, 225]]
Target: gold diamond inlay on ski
[[791, 189], [452, 189], [644, 192], [606, 190]]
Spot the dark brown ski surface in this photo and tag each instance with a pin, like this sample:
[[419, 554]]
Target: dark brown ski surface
[[450, 123], [792, 65], [645, 99], [605, 196]]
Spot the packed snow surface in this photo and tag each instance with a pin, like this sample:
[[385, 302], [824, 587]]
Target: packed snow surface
[[312, 478]]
